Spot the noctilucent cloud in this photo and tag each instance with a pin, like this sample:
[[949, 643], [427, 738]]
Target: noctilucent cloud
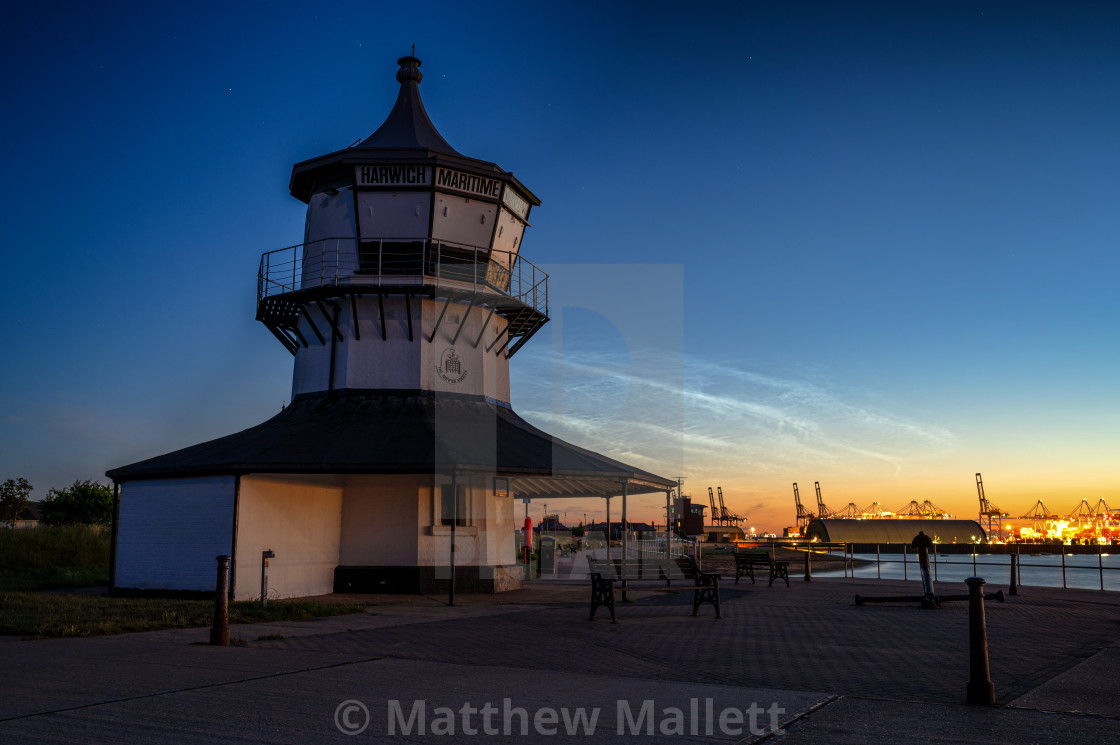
[[868, 244]]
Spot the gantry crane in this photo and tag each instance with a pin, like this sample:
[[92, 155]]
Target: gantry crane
[[822, 510], [989, 511], [722, 516], [875, 511], [1041, 515], [803, 515]]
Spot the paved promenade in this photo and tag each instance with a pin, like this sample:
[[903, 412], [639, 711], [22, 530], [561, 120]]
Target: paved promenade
[[785, 665]]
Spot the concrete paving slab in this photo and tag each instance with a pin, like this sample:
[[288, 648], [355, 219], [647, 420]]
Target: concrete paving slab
[[301, 708], [843, 673], [1088, 688], [54, 674], [859, 721]]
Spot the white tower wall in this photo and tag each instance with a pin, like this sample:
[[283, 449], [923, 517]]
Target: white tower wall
[[328, 238], [369, 362]]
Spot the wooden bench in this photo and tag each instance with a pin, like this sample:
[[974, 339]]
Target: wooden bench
[[606, 572], [747, 561]]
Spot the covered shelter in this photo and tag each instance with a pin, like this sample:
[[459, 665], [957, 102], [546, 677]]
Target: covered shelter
[[355, 491]]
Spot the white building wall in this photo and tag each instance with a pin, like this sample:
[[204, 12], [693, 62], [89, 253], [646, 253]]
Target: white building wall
[[498, 545], [508, 236], [379, 518], [394, 215], [435, 538], [463, 220], [171, 531], [299, 518]]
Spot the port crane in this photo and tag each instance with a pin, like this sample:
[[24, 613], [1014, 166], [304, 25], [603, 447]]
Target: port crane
[[989, 511], [1040, 514], [722, 516], [875, 511], [1083, 514], [803, 515], [1105, 514], [822, 509]]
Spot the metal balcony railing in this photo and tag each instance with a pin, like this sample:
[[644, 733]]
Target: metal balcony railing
[[350, 263]]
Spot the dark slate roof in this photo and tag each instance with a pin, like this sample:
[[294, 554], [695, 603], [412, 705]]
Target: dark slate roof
[[408, 125], [381, 432]]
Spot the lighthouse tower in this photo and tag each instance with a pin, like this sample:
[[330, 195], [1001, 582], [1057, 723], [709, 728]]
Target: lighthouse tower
[[410, 276], [396, 465]]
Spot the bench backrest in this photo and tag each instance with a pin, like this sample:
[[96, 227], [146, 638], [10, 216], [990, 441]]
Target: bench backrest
[[680, 567], [753, 557]]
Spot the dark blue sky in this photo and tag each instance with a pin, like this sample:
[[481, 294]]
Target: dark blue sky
[[893, 226]]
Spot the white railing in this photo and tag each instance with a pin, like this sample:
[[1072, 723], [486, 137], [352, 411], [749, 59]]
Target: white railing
[[655, 548], [333, 262]]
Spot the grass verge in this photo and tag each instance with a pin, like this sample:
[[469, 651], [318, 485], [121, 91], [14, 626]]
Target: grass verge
[[52, 578], [46, 615], [62, 546], [51, 558]]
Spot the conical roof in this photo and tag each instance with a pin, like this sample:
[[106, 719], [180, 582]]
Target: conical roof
[[408, 125], [406, 136]]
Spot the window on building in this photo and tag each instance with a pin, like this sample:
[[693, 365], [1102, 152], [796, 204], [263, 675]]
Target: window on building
[[453, 507], [390, 257]]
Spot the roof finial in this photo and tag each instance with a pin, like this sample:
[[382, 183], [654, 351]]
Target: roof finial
[[413, 50], [410, 69]]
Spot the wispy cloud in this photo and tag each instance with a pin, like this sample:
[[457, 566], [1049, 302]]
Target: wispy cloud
[[714, 419]]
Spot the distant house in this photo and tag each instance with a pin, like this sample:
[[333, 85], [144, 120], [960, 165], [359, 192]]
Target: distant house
[[640, 531], [29, 518]]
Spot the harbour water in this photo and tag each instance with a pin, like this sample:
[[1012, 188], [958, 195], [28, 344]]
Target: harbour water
[[1083, 571]]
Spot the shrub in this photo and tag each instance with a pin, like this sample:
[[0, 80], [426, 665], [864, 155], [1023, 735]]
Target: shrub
[[15, 496], [81, 503]]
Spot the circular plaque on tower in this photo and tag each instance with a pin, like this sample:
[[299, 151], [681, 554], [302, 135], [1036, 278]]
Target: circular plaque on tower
[[451, 366]]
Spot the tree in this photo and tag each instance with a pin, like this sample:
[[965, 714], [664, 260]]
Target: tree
[[81, 503], [15, 496]]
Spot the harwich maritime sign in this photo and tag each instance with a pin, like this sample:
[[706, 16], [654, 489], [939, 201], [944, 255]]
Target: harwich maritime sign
[[446, 179], [468, 183], [393, 175]]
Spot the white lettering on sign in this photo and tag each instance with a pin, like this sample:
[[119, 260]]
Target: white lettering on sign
[[469, 183], [516, 204], [392, 175]]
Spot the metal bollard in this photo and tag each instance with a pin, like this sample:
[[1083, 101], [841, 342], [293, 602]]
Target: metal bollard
[[265, 556], [1014, 588], [808, 564], [219, 634], [980, 690]]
